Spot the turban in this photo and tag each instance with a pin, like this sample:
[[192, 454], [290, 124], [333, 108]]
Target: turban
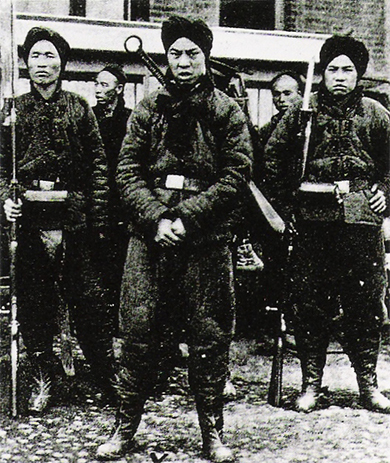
[[344, 45], [195, 30], [36, 34], [116, 71]]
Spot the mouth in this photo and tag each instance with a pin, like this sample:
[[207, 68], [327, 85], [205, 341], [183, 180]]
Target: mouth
[[185, 74], [42, 74]]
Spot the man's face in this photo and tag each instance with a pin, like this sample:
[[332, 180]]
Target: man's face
[[44, 63], [340, 76], [186, 61], [107, 88], [285, 92]]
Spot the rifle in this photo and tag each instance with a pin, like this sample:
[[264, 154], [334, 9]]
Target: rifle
[[10, 69], [275, 386], [276, 381]]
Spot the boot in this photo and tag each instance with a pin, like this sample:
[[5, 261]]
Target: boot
[[116, 446], [364, 363], [312, 370], [370, 396], [131, 407], [308, 400], [43, 365], [373, 399], [213, 448], [121, 440], [40, 394]]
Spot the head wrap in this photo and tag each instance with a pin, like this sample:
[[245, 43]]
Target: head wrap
[[36, 34], [116, 71], [195, 30], [344, 45]]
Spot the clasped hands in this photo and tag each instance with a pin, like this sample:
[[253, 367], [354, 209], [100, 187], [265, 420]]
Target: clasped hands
[[170, 232]]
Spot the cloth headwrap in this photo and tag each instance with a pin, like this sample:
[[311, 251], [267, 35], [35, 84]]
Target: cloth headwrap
[[195, 30], [344, 45], [36, 34], [116, 71]]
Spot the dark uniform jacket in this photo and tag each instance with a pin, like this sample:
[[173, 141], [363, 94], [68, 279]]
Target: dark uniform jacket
[[58, 140], [202, 136], [112, 129], [349, 141]]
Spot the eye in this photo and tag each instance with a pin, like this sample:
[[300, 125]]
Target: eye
[[193, 54], [174, 54]]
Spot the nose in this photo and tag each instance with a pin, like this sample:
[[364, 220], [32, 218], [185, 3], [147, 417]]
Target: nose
[[340, 75], [184, 60]]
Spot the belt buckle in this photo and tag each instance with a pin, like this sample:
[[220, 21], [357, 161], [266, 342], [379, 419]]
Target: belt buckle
[[342, 186], [174, 182]]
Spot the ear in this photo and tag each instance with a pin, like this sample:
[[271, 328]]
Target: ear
[[119, 89]]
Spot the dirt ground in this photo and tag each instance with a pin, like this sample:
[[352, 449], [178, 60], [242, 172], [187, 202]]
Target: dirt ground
[[340, 432]]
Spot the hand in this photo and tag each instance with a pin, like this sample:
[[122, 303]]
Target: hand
[[12, 210], [178, 228], [165, 235], [378, 201]]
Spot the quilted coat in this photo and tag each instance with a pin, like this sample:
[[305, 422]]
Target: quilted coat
[[202, 136], [59, 140]]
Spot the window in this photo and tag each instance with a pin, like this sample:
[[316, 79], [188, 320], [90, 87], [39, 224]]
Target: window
[[77, 8], [248, 14], [136, 10]]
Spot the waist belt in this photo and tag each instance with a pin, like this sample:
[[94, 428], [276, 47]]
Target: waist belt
[[179, 182], [339, 187]]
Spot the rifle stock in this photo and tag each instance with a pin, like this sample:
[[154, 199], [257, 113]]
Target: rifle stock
[[276, 380]]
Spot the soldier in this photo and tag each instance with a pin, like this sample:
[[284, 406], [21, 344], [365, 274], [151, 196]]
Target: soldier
[[58, 146], [112, 116], [184, 163], [338, 195], [286, 88]]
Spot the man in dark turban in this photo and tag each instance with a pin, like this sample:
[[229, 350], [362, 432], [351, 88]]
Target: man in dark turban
[[344, 45], [37, 34], [183, 167], [58, 147], [338, 196], [195, 30]]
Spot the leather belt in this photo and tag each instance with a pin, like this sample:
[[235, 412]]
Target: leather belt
[[180, 182]]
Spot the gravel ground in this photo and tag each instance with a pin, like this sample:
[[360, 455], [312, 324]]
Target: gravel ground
[[340, 432]]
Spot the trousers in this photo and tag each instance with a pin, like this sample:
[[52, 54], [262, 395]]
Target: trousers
[[180, 295], [338, 284]]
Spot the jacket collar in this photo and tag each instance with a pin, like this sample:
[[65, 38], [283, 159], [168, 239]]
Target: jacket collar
[[56, 95]]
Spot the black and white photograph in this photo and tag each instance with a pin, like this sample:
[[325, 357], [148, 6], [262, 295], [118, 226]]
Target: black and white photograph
[[195, 231]]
